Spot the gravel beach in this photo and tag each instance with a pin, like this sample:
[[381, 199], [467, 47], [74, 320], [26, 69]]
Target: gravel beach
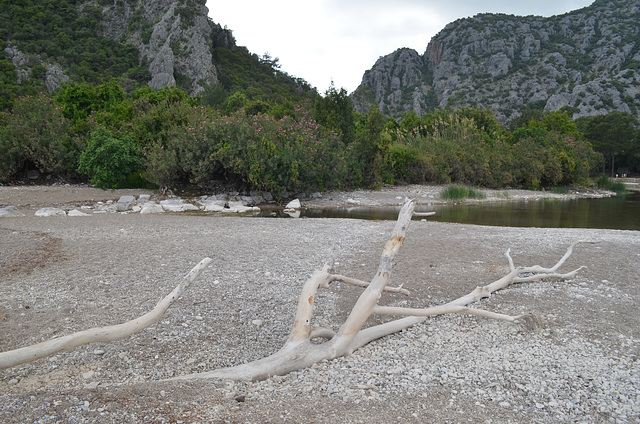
[[575, 359]]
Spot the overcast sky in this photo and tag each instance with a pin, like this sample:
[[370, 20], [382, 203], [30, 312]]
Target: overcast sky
[[325, 40]]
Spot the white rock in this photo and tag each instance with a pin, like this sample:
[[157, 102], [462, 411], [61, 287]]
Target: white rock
[[50, 212], [76, 212], [213, 207], [10, 211], [151, 207], [178, 205], [294, 204]]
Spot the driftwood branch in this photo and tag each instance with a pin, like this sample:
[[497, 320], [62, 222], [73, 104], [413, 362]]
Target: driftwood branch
[[298, 351], [101, 334]]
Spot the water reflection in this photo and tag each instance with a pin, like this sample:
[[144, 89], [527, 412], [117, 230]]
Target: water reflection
[[620, 212]]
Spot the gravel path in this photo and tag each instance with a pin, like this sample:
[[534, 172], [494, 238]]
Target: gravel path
[[574, 360]]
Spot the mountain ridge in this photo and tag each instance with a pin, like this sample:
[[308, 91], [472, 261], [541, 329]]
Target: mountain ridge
[[586, 61]]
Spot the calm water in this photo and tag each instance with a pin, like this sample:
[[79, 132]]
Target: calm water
[[620, 213]]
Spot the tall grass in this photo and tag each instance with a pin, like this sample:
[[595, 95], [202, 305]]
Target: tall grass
[[607, 183], [457, 192]]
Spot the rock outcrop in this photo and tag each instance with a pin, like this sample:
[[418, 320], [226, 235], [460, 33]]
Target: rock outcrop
[[587, 60], [174, 37]]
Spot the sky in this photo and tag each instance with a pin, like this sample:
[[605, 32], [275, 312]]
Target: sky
[[332, 40]]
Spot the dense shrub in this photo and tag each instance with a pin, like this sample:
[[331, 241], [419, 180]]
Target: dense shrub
[[108, 160], [34, 134], [289, 154], [451, 149]]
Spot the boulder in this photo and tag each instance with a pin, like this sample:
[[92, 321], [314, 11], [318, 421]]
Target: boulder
[[178, 205], [151, 207], [240, 207]]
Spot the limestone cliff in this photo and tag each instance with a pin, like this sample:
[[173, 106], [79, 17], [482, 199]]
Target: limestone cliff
[[587, 60], [174, 37]]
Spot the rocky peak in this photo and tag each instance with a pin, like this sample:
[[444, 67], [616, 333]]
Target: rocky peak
[[586, 60]]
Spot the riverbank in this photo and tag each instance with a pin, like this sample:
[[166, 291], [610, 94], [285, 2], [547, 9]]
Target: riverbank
[[33, 197], [575, 360]]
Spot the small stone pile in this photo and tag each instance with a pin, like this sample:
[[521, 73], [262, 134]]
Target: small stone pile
[[232, 203]]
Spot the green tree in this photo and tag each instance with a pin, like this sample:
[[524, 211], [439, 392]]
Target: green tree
[[335, 112], [484, 120], [8, 83], [610, 134], [374, 148]]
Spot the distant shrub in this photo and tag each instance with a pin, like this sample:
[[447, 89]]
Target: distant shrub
[[457, 192], [606, 183]]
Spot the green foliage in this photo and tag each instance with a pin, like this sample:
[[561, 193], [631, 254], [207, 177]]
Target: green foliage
[[289, 154], [607, 183], [34, 134], [335, 112], [449, 147], [68, 34], [8, 83], [108, 160], [257, 79], [458, 192], [612, 134], [372, 148], [87, 105]]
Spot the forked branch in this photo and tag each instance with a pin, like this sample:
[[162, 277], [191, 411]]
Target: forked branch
[[298, 351]]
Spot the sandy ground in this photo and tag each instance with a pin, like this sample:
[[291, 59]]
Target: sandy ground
[[59, 275]]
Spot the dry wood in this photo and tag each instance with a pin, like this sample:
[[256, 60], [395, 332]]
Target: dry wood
[[299, 351], [101, 334]]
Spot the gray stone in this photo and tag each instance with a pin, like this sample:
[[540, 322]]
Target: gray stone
[[10, 211], [178, 205], [125, 203], [240, 207], [75, 212], [214, 205], [33, 174]]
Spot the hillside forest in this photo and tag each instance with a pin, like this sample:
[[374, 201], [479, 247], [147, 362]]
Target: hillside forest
[[260, 129]]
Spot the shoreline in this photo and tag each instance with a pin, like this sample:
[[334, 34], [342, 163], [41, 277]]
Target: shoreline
[[65, 275], [32, 197]]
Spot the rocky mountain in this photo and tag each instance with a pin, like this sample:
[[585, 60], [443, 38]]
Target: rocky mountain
[[587, 60], [173, 36], [173, 40]]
